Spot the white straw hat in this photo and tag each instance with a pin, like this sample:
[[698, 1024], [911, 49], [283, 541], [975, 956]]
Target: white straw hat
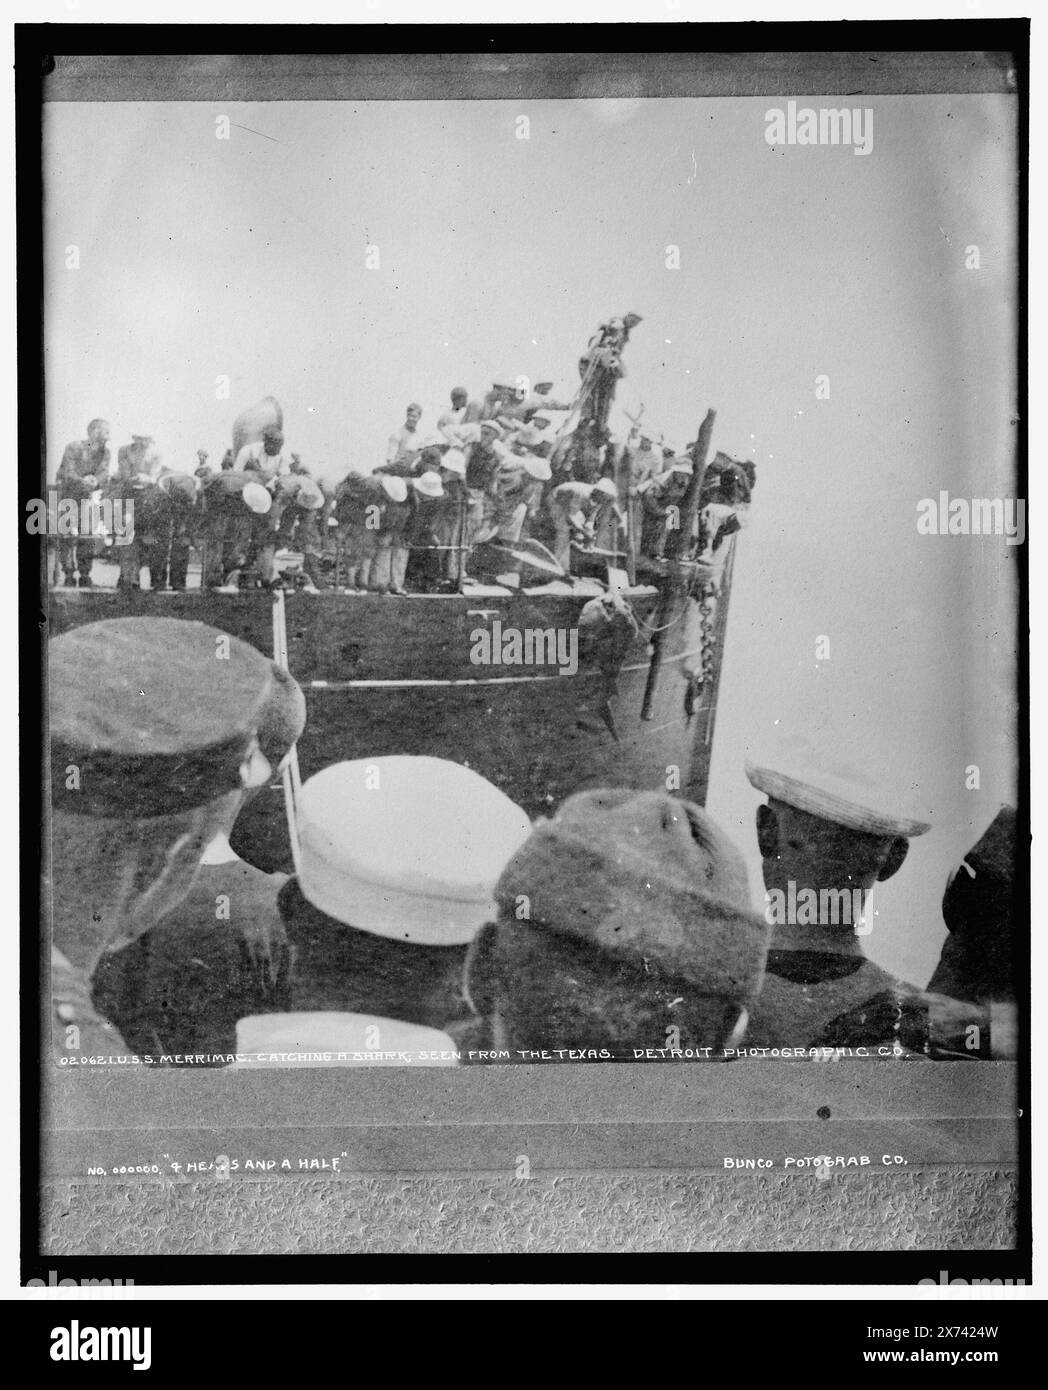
[[429, 485]]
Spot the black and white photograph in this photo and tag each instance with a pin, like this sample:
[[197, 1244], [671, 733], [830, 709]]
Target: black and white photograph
[[531, 554]]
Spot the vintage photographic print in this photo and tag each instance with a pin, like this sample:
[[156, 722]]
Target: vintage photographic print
[[532, 549]]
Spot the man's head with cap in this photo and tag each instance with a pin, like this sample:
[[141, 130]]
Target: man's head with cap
[[979, 909], [153, 734], [399, 861], [624, 916], [536, 467], [428, 484], [181, 488], [430, 454], [830, 823], [395, 488], [454, 461]]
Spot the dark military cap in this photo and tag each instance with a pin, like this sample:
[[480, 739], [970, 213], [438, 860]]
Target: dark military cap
[[151, 716]]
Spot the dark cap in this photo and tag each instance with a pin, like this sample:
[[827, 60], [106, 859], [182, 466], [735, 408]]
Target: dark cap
[[643, 877], [157, 715]]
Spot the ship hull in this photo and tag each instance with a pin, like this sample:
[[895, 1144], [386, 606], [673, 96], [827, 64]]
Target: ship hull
[[394, 675]]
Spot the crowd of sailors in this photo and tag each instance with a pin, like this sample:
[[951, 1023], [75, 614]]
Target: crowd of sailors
[[500, 480]]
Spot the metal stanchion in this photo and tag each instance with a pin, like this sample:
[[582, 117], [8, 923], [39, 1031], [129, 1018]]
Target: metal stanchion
[[290, 776]]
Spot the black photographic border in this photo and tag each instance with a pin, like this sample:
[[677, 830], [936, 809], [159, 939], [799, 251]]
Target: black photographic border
[[539, 54]]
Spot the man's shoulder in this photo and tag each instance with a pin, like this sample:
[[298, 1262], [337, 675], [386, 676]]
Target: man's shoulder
[[75, 451]]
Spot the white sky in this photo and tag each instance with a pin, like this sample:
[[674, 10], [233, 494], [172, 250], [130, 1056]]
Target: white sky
[[201, 257]]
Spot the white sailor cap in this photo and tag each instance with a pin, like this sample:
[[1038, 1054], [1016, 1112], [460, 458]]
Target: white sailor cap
[[813, 777], [536, 467], [429, 484], [395, 488], [338, 1039], [406, 847], [309, 495], [454, 461], [257, 497]]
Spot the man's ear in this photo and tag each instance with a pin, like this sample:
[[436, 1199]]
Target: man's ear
[[893, 860], [481, 977], [767, 832]]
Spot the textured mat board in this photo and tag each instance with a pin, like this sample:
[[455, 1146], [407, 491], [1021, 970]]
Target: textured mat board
[[900, 1211]]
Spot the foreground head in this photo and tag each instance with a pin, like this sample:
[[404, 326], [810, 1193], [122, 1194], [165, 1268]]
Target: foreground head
[[979, 910], [153, 743], [414, 415], [98, 432], [623, 918], [399, 861]]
